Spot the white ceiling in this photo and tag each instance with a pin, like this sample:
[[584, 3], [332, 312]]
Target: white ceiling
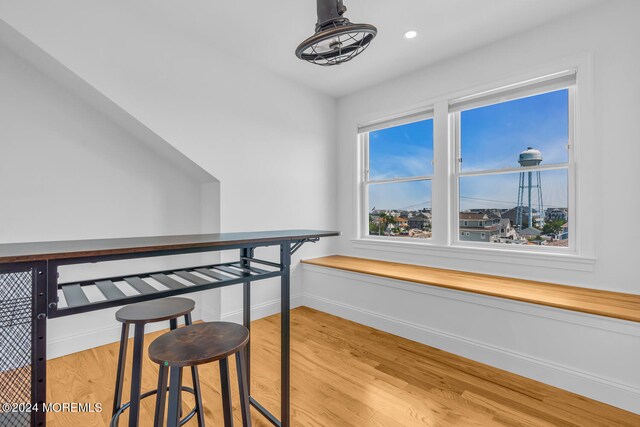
[[267, 32]]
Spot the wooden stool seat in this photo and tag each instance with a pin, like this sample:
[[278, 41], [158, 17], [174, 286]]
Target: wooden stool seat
[[198, 344], [155, 311]]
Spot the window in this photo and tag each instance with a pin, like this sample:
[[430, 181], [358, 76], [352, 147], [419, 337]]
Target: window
[[511, 179], [398, 171], [514, 162]]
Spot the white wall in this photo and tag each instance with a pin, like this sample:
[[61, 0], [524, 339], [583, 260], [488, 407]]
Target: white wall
[[68, 172], [270, 142], [609, 34]]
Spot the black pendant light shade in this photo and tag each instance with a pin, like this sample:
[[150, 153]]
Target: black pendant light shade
[[336, 39]]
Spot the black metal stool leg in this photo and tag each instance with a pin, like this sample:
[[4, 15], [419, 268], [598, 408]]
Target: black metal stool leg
[[122, 357], [197, 392], [161, 396], [173, 324], [175, 384], [227, 409], [243, 388], [136, 377]]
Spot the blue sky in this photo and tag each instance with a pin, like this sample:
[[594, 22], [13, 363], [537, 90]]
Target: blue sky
[[491, 138]]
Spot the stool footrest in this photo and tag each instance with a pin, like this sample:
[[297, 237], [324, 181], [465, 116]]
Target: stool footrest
[[125, 406]]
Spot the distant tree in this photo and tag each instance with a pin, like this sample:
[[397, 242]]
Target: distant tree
[[387, 219], [553, 227], [375, 227]]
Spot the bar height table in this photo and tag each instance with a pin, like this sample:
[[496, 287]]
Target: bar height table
[[30, 294]]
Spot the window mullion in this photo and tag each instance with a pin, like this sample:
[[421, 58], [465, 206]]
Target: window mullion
[[364, 214], [440, 187]]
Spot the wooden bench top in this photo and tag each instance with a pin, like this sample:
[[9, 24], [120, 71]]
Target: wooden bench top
[[603, 303]]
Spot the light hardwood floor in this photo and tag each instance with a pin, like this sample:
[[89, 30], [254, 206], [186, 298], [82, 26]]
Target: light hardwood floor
[[346, 374]]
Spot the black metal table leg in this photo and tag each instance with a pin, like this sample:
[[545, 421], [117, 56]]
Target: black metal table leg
[[285, 290], [243, 389], [285, 342], [40, 274], [246, 312]]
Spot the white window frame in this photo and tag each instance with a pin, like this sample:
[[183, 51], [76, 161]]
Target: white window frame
[[582, 255], [538, 87], [403, 119]]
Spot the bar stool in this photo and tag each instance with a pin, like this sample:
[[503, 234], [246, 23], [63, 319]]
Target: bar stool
[[196, 345], [139, 315]]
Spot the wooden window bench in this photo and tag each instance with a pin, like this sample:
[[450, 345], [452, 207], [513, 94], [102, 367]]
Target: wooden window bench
[[603, 303]]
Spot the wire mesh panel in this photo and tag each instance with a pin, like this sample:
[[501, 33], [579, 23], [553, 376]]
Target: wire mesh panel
[[15, 345]]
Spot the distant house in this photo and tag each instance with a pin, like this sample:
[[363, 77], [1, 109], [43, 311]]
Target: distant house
[[512, 213], [556, 214], [473, 219], [530, 232], [478, 227], [492, 214], [401, 222], [420, 221], [506, 229]]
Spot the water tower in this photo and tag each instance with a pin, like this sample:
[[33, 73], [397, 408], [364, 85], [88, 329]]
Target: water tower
[[530, 187]]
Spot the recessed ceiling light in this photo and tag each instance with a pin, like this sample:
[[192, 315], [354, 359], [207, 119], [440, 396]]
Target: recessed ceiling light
[[411, 34]]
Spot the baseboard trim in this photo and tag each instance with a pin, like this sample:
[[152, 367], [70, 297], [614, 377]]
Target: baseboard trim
[[261, 310], [620, 395]]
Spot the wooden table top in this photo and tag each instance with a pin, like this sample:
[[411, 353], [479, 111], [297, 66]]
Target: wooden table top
[[603, 303], [41, 251]]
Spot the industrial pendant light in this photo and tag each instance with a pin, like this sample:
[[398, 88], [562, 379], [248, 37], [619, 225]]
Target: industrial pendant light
[[336, 39]]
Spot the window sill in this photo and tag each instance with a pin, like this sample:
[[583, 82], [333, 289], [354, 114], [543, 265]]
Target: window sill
[[565, 261]]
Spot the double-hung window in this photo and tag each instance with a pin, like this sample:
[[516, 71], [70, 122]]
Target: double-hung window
[[398, 170], [511, 178], [514, 164]]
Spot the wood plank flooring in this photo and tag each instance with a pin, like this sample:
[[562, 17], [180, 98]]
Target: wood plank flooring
[[603, 303], [346, 374]]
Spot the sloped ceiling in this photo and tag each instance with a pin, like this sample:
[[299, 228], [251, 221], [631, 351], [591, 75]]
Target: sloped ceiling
[[57, 71], [266, 33]]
